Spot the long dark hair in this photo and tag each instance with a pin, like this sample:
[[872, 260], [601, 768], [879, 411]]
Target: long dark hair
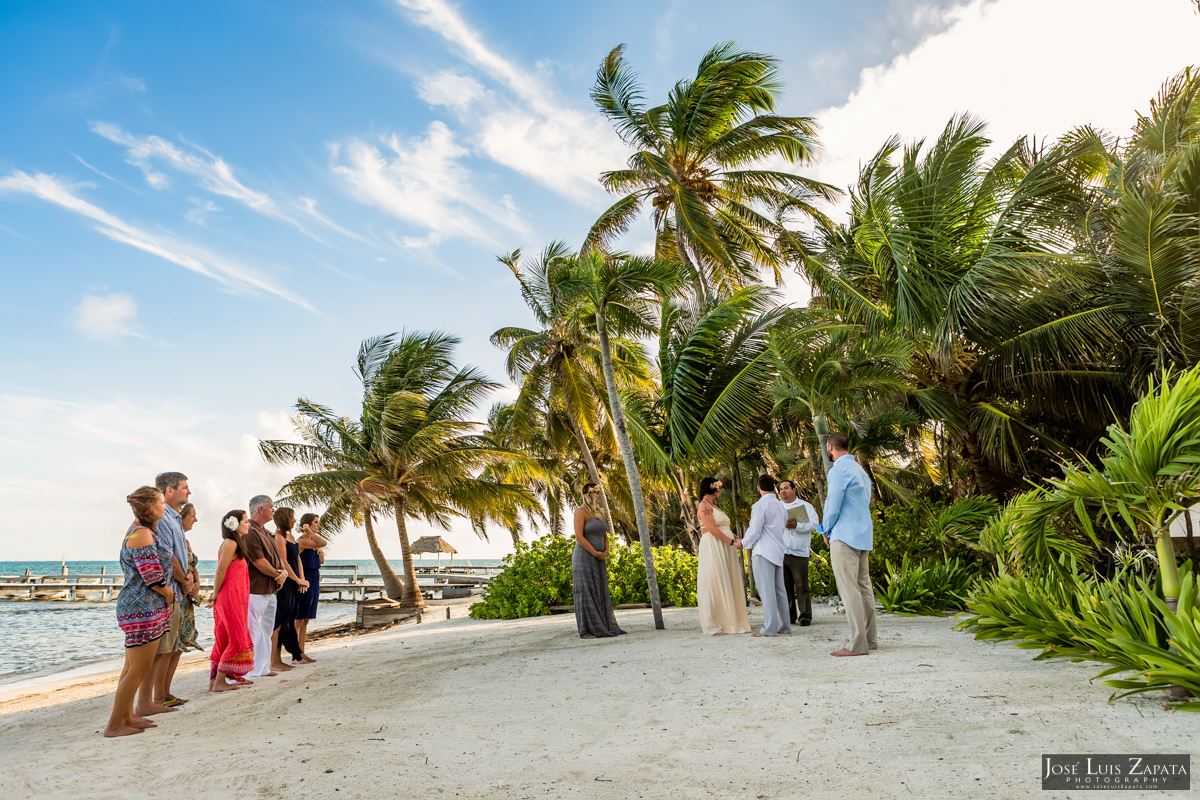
[[232, 535], [708, 486], [308, 519]]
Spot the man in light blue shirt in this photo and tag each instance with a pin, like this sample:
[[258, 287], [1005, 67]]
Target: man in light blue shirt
[[174, 486], [848, 531], [765, 537]]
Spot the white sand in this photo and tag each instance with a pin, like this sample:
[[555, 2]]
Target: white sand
[[524, 709]]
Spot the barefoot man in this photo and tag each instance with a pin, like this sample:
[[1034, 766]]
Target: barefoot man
[[765, 538], [266, 576], [848, 532]]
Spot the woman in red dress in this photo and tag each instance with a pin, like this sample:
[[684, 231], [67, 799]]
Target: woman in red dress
[[232, 655]]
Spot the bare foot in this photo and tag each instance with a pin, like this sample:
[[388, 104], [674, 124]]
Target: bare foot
[[757, 635], [844, 652], [124, 730], [222, 686], [719, 633], [281, 667], [148, 710], [589, 636], [306, 660], [239, 681], [135, 721]]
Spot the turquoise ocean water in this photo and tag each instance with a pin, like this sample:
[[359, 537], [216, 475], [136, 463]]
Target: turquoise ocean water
[[42, 637]]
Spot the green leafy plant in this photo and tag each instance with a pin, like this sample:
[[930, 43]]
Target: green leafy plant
[[1124, 623], [538, 576], [926, 588]]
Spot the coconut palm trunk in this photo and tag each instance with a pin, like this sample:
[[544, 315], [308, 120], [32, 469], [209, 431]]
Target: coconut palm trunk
[[592, 471], [391, 584], [412, 597], [631, 468], [821, 425]]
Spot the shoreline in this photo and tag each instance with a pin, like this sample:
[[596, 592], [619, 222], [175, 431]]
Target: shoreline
[[524, 708], [106, 670]]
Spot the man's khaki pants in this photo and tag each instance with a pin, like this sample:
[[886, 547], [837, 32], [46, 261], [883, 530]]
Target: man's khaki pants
[[851, 571]]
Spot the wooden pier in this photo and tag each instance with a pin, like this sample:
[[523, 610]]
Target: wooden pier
[[340, 582]]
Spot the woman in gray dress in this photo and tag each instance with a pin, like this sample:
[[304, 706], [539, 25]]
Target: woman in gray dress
[[593, 604]]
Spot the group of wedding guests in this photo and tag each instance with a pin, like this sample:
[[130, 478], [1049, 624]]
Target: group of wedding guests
[[779, 538], [265, 591]]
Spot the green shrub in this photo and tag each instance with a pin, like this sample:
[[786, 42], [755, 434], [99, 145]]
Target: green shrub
[[538, 575], [926, 588], [535, 577], [900, 532], [1124, 623]]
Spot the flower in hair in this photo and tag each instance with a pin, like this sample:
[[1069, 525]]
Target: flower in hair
[[232, 523]]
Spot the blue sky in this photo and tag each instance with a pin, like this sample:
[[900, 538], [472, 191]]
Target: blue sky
[[205, 208]]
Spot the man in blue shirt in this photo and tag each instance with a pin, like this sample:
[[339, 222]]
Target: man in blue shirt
[[174, 486], [848, 532]]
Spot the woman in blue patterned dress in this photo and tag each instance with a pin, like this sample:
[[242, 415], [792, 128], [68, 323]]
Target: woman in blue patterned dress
[[143, 607]]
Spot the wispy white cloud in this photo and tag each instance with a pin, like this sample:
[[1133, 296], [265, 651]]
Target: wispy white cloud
[[129, 82], [531, 130], [231, 275], [107, 317], [93, 169], [212, 173], [448, 88], [202, 208], [423, 182]]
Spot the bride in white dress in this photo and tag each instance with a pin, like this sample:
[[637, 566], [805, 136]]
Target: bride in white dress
[[720, 593]]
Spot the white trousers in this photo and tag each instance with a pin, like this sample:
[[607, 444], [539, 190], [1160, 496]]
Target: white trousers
[[260, 619]]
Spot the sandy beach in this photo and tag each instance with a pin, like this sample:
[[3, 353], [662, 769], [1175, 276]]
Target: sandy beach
[[524, 709]]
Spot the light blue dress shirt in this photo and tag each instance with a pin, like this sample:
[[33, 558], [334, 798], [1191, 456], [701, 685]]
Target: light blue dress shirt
[[848, 505], [170, 530]]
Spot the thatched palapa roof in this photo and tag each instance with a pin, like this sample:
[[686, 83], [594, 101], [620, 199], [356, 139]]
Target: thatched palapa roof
[[431, 544]]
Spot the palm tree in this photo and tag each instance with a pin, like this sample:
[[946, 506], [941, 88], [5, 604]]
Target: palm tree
[[558, 366], [716, 369], [1144, 231], [691, 162], [1147, 477], [425, 458], [339, 453], [544, 471], [971, 261], [831, 370], [622, 290]]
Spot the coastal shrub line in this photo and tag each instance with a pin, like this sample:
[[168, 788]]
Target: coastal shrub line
[[538, 576]]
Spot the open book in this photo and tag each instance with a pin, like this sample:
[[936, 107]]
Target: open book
[[799, 513]]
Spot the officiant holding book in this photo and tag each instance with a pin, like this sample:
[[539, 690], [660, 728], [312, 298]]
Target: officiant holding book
[[797, 536]]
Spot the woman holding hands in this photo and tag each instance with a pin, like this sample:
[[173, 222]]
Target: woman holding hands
[[310, 543], [232, 654], [594, 615], [720, 593], [143, 608]]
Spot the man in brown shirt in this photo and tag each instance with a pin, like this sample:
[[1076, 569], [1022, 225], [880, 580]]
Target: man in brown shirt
[[266, 576]]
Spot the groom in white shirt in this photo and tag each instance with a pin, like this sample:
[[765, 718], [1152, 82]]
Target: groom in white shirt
[[765, 537]]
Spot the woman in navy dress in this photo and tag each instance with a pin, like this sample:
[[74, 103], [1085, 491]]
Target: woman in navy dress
[[310, 543]]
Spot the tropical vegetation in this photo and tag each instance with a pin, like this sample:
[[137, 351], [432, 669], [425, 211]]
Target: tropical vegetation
[[1008, 333]]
